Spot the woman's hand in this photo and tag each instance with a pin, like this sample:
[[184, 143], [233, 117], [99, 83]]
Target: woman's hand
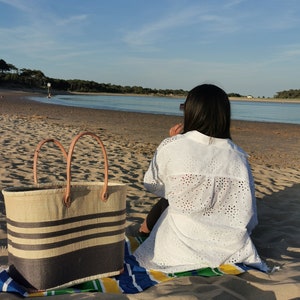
[[176, 129]]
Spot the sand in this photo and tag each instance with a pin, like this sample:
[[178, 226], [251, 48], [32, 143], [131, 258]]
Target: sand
[[130, 140]]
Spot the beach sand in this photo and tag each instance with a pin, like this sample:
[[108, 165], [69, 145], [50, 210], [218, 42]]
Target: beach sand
[[130, 140]]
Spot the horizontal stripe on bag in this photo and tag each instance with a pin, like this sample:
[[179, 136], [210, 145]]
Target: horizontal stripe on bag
[[64, 242], [34, 230], [57, 239], [64, 221], [57, 249], [57, 232]]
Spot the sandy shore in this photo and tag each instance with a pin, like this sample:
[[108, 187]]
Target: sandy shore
[[130, 140]]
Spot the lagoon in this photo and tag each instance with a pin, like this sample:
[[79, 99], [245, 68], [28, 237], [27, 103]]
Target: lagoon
[[279, 112]]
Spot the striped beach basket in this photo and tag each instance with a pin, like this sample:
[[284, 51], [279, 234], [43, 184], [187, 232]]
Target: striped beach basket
[[65, 233]]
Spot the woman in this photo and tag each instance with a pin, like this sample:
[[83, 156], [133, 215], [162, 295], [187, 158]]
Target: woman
[[207, 180]]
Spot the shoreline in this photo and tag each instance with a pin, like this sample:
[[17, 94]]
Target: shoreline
[[43, 93], [26, 95], [275, 100]]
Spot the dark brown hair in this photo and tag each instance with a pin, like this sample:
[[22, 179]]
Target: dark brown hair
[[207, 110]]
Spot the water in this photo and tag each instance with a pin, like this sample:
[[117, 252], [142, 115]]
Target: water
[[241, 110]]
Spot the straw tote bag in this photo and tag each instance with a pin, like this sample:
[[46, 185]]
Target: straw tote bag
[[65, 233]]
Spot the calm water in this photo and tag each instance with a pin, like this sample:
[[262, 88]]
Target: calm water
[[241, 110]]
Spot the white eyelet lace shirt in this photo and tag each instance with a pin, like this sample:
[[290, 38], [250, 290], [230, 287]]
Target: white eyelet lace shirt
[[212, 208]]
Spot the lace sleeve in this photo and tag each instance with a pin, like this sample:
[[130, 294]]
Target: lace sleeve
[[153, 181]]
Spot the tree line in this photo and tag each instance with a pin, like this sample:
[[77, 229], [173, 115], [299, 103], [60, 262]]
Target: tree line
[[14, 77], [290, 94], [25, 78]]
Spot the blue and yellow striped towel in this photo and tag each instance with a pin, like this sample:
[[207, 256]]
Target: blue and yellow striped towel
[[133, 280]]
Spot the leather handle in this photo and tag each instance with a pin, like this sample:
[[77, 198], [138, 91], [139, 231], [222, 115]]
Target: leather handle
[[37, 151], [104, 193]]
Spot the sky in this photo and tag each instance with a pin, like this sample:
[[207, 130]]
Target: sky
[[250, 47]]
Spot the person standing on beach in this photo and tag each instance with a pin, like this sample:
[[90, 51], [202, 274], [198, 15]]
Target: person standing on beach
[[210, 210]]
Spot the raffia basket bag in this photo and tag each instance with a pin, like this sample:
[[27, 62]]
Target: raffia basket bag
[[65, 233]]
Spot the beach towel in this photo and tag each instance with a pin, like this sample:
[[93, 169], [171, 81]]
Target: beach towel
[[133, 280]]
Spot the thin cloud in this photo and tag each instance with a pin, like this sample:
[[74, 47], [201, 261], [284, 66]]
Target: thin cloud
[[41, 17], [20, 5], [42, 31], [71, 20], [233, 3], [153, 32], [291, 51], [28, 44]]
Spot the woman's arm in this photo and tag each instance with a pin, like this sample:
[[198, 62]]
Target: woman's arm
[[153, 181]]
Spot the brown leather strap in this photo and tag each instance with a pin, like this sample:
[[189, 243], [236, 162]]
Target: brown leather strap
[[104, 193], [36, 154]]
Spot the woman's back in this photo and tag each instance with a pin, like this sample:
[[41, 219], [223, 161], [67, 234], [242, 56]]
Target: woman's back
[[207, 183]]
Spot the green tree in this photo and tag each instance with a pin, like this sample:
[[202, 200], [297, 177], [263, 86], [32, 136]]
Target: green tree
[[13, 68], [290, 94], [33, 78], [4, 66]]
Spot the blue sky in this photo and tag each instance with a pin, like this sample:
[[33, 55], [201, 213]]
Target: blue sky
[[251, 47]]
